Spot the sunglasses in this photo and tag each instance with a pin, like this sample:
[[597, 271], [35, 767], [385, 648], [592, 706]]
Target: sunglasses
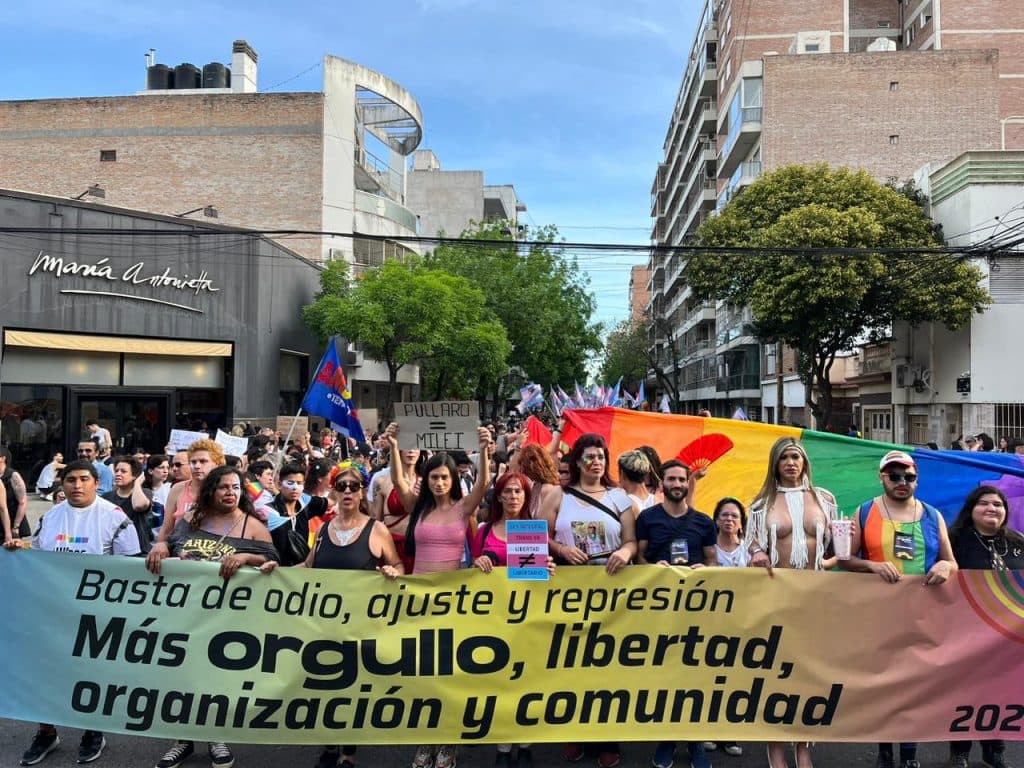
[[179, 464], [896, 477], [348, 485]]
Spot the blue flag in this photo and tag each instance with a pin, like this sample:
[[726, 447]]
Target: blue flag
[[328, 396]]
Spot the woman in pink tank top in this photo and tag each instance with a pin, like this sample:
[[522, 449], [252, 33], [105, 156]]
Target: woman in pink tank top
[[436, 534]]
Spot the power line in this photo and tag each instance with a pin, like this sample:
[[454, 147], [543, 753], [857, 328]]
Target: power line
[[1006, 242]]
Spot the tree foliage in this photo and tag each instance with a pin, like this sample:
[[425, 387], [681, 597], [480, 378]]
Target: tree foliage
[[538, 295], [826, 302], [405, 312], [625, 353]]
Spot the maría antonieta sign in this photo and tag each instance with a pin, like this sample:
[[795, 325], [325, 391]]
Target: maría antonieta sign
[[135, 274]]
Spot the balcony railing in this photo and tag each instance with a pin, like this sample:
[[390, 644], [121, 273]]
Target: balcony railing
[[738, 381]]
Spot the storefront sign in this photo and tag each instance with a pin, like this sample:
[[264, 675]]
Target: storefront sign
[[135, 274]]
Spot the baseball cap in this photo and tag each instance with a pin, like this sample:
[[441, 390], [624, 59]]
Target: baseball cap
[[897, 457]]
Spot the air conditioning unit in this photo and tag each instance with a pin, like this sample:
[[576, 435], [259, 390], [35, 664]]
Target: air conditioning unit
[[904, 376], [354, 358]]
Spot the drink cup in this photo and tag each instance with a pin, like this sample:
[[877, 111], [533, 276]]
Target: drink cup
[[842, 531]]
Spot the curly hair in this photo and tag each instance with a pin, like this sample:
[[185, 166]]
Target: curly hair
[[537, 464], [204, 503], [212, 448]]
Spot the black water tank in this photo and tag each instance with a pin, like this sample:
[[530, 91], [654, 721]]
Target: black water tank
[[159, 77], [187, 76], [215, 75]]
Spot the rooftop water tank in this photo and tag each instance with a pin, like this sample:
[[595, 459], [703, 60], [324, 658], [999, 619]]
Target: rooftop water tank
[[215, 75], [187, 76], [159, 77]]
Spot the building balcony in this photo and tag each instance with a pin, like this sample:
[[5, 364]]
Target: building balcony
[[709, 79], [740, 141], [384, 207], [704, 313], [709, 118]]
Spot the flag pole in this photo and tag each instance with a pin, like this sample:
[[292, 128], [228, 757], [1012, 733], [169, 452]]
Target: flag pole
[[280, 453]]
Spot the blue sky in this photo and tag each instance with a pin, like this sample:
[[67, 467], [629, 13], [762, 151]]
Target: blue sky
[[568, 100]]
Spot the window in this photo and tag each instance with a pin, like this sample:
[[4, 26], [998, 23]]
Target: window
[[894, 138], [812, 48], [894, 85], [108, 155]]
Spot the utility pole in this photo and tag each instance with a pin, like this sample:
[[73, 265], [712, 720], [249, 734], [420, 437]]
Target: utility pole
[[780, 399]]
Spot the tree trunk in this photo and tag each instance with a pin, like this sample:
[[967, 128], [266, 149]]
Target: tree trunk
[[389, 394]]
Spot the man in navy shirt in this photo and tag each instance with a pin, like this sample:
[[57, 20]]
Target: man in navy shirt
[[671, 532]]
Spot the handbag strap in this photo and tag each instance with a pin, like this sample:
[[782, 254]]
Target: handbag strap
[[592, 502]]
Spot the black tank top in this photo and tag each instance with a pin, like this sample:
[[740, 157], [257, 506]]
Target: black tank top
[[352, 557]]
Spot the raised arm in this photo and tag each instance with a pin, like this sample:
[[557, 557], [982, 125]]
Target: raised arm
[[398, 478], [483, 476]]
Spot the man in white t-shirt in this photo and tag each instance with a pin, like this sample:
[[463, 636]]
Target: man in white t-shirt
[[86, 524]]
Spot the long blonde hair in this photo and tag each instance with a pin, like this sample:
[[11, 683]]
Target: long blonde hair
[[766, 495]]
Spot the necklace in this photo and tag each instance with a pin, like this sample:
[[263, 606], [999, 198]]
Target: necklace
[[345, 535], [897, 523], [998, 564]]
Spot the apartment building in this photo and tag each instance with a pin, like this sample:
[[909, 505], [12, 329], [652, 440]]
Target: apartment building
[[775, 82]]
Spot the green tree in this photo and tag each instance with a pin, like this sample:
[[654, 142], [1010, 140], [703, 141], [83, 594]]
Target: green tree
[[539, 296], [625, 354], [826, 302], [404, 312]]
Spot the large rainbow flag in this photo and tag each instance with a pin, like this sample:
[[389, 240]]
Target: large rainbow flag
[[736, 454]]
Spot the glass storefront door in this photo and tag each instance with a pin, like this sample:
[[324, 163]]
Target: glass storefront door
[[137, 421]]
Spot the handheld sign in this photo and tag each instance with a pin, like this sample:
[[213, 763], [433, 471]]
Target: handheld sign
[[181, 439], [527, 547], [233, 446], [448, 425]]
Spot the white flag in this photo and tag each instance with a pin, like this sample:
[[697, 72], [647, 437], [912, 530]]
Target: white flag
[[664, 406]]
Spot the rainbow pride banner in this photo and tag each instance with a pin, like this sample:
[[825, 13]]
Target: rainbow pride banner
[[303, 656], [736, 455]]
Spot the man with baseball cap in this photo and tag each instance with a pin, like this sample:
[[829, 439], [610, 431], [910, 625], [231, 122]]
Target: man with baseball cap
[[896, 534]]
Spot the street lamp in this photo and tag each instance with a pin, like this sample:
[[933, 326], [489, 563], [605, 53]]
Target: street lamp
[[208, 211]]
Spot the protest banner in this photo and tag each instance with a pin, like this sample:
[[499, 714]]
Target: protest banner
[[181, 439], [448, 425], [233, 446], [652, 653], [735, 453]]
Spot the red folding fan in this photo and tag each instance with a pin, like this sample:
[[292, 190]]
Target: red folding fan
[[704, 451]]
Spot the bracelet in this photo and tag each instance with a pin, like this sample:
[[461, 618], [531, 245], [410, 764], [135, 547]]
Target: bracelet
[[756, 550]]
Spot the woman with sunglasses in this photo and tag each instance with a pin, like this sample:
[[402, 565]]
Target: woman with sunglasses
[[436, 535], [351, 541], [591, 521]]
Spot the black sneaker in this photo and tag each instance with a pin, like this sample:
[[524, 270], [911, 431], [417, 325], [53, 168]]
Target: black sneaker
[[220, 755], [910, 764], [179, 752], [43, 743], [994, 760], [91, 746], [958, 761], [524, 758], [328, 758]]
